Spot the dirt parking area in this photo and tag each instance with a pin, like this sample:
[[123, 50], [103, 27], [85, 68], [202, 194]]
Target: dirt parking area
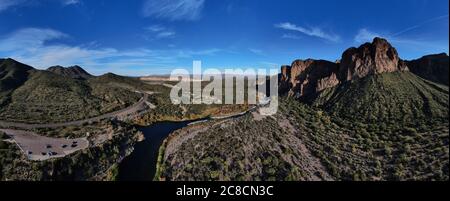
[[39, 148]]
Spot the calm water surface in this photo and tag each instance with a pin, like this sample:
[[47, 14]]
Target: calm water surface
[[141, 164]]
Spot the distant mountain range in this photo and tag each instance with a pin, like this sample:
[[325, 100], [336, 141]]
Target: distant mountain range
[[60, 94]]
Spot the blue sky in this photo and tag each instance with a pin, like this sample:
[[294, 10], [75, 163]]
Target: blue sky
[[140, 37]]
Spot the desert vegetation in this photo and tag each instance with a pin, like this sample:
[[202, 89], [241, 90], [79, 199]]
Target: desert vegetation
[[245, 149]]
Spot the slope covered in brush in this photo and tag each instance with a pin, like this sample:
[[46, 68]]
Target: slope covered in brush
[[12, 75], [304, 143], [36, 96], [399, 98]]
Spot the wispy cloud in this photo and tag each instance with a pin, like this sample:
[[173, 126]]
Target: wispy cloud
[[291, 36], [420, 25], [31, 46], [173, 9], [256, 51], [312, 31], [29, 39], [364, 35], [165, 34], [70, 2], [159, 32], [155, 28], [5, 4]]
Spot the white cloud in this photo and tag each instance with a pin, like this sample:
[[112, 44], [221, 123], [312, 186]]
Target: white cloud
[[70, 2], [427, 46], [165, 34], [173, 9], [365, 35], [291, 36], [32, 46], [416, 26], [312, 31], [256, 51], [29, 38], [155, 28], [5, 4], [159, 32]]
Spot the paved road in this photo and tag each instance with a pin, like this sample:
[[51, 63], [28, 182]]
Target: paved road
[[117, 114]]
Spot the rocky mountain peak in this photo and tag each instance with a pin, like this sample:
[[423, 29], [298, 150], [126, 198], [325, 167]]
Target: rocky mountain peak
[[305, 77], [75, 72], [369, 59], [310, 76], [9, 63]]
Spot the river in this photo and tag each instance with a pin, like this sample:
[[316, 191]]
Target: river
[[141, 164]]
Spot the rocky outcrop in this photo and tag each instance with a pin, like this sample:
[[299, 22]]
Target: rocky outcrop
[[431, 67], [284, 78], [305, 77], [370, 59], [75, 72]]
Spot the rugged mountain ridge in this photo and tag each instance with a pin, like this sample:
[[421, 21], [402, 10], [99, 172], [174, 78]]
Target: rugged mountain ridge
[[370, 59], [30, 95], [431, 67], [75, 72], [308, 77], [12, 75], [12, 71]]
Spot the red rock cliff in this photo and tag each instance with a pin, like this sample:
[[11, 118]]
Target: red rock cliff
[[310, 76]]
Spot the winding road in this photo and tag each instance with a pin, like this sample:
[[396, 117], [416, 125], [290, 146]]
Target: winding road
[[39, 148], [117, 114]]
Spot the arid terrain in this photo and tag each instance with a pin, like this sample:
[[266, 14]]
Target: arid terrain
[[366, 117], [369, 116]]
